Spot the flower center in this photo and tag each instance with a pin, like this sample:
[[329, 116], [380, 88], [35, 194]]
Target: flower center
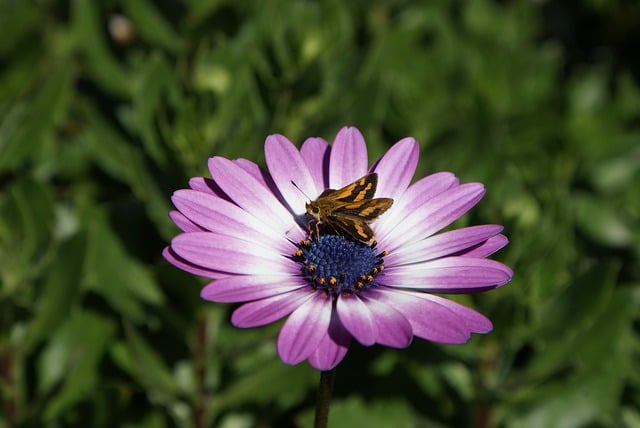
[[339, 265]]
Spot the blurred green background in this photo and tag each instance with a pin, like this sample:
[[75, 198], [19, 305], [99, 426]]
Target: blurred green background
[[107, 107]]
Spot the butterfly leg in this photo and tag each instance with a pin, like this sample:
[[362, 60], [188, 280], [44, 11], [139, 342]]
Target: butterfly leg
[[313, 228]]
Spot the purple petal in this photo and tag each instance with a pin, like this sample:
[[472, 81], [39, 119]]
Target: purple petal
[[418, 193], [184, 223], [357, 319], [225, 218], [229, 254], [442, 245], [448, 275], [305, 329], [258, 173], [348, 159], [244, 288], [489, 247], [315, 152], [206, 185], [252, 168], [396, 168], [266, 311], [394, 330], [425, 219], [250, 194], [428, 319], [287, 167], [475, 322], [332, 348], [181, 263]]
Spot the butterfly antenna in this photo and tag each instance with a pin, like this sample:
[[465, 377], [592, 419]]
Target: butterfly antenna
[[301, 191]]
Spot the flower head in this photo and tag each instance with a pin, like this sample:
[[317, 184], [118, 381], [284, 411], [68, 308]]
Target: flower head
[[248, 230]]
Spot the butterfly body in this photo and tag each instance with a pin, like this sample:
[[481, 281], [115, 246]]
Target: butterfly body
[[349, 210]]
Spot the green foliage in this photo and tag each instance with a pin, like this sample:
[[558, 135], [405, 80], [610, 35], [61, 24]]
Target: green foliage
[[99, 126]]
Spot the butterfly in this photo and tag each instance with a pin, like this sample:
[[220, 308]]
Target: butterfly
[[349, 210]]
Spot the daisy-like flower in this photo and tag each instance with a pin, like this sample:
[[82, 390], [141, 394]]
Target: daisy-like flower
[[246, 229]]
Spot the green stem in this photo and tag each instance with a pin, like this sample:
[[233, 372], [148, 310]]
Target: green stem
[[324, 398]]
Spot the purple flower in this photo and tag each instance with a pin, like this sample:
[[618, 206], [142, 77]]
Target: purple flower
[[246, 229]]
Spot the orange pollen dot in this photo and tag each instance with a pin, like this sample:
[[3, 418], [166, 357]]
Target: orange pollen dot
[[333, 281]]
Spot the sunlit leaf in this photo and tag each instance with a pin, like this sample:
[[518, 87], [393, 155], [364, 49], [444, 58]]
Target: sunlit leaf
[[72, 358]]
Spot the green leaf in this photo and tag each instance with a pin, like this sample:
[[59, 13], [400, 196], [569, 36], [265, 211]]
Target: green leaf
[[604, 222], [354, 412], [603, 357], [30, 122], [26, 232], [568, 319], [155, 80], [60, 291], [152, 26], [575, 404], [18, 21], [71, 358], [90, 38], [262, 386], [125, 163], [111, 272], [144, 364]]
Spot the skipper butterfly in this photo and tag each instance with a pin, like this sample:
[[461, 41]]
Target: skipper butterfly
[[350, 209]]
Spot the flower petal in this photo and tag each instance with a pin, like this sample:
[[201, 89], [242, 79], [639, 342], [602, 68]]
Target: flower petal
[[229, 254], [348, 158], [259, 174], [475, 322], [417, 194], [396, 168], [266, 311], [489, 247], [287, 167], [225, 218], [305, 329], [357, 319], [428, 319], [315, 152], [250, 194], [333, 346], [184, 223], [253, 169], [244, 288], [394, 329], [448, 275], [186, 266], [442, 245], [207, 185], [428, 218]]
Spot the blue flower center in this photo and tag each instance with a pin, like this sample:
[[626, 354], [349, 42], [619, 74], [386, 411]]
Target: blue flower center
[[337, 265]]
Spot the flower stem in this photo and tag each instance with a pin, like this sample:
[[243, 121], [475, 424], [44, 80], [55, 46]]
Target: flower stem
[[324, 398]]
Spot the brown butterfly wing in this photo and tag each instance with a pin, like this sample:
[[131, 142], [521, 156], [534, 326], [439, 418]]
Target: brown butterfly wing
[[352, 226], [367, 210], [362, 188], [352, 217]]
